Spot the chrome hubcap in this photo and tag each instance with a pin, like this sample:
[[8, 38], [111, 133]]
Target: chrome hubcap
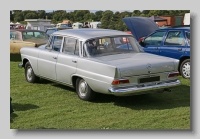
[[29, 73], [186, 70], [82, 88]]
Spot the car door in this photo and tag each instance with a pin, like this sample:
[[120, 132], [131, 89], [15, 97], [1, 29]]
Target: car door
[[67, 60], [48, 57], [153, 42], [174, 44]]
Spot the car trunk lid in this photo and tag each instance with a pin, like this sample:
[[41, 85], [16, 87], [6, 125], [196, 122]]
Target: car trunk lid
[[139, 63], [140, 26]]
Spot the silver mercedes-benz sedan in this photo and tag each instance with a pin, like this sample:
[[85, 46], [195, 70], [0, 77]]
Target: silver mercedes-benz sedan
[[95, 61]]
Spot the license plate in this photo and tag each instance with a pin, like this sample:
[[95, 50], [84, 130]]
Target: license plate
[[149, 79]]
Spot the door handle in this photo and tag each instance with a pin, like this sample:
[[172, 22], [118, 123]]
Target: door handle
[[54, 57], [74, 61], [156, 48], [179, 49]]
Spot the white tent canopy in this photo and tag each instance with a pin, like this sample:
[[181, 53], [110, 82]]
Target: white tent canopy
[[17, 23], [11, 23]]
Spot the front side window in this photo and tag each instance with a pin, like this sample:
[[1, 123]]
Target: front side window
[[155, 39], [55, 43], [71, 46], [175, 38], [111, 46], [34, 35]]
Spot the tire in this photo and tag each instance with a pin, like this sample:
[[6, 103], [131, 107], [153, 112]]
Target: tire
[[185, 69], [29, 74], [84, 91]]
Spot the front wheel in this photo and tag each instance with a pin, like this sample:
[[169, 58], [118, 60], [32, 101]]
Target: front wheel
[[84, 91], [29, 74], [185, 69]]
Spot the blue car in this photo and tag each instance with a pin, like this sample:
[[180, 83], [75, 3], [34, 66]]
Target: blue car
[[173, 42], [49, 31]]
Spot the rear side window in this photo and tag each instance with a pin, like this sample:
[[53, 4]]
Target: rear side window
[[188, 37], [175, 38], [155, 39]]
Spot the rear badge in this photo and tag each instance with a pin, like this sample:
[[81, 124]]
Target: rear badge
[[149, 68]]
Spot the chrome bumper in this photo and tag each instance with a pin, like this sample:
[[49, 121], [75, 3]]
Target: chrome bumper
[[20, 65], [119, 91]]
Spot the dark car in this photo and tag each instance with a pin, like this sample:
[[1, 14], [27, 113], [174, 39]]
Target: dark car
[[171, 42]]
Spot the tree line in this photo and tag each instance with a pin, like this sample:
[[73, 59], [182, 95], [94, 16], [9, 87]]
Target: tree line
[[108, 18]]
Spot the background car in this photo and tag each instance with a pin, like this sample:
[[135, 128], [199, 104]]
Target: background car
[[49, 31], [171, 42], [23, 37], [90, 61]]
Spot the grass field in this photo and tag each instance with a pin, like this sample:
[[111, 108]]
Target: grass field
[[48, 105]]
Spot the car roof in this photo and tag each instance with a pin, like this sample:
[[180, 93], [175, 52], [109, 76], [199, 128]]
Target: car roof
[[87, 33], [176, 28]]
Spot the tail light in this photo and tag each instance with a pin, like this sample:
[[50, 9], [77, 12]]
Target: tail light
[[141, 39], [120, 81], [173, 74]]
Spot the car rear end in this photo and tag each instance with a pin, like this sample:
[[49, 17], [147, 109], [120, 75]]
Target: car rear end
[[142, 77]]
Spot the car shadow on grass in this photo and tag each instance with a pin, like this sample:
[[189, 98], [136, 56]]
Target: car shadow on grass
[[44, 81], [23, 107], [20, 107], [12, 117], [178, 97]]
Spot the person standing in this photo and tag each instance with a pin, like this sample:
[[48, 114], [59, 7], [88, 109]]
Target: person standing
[[86, 25]]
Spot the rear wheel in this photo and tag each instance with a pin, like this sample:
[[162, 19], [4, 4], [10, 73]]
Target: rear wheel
[[185, 69], [84, 91], [29, 74]]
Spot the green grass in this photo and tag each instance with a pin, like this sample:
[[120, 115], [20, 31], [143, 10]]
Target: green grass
[[48, 105]]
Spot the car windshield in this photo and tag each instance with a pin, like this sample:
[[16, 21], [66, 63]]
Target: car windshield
[[34, 35], [111, 46]]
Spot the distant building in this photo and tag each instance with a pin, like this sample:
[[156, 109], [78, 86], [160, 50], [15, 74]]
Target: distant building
[[171, 21], [38, 24]]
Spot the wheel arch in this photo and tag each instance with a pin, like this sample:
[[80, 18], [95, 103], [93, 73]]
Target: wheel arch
[[181, 60], [75, 77], [25, 60]]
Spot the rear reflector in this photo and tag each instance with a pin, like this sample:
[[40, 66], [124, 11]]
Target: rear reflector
[[120, 81], [174, 74]]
